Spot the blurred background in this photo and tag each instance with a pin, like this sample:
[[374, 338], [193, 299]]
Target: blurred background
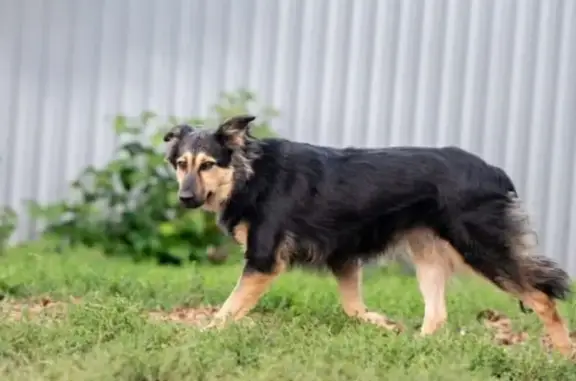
[[86, 86]]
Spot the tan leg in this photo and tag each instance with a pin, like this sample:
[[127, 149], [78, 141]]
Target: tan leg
[[349, 280], [432, 283], [244, 297], [434, 260], [546, 310], [249, 288]]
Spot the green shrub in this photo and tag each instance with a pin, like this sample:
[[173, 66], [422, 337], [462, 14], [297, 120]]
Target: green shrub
[[8, 220], [130, 206]]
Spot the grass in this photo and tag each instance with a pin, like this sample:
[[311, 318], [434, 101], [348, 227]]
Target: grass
[[300, 331]]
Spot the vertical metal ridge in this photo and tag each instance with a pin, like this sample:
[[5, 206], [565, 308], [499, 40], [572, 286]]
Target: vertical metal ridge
[[453, 73], [14, 74], [407, 74], [430, 73], [560, 187]]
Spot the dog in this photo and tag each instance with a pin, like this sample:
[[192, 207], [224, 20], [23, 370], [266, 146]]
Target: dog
[[296, 204]]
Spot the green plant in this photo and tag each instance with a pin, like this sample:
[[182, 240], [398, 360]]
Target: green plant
[[130, 206], [8, 221]]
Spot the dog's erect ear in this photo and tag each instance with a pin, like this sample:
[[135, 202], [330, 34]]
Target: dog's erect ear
[[233, 131], [178, 132]]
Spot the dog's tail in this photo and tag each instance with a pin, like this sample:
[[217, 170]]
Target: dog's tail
[[492, 233], [543, 274], [536, 271], [495, 239]]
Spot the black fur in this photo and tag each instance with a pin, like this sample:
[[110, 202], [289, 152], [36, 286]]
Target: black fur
[[349, 204]]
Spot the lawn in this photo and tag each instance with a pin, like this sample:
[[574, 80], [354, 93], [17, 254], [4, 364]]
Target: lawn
[[91, 318]]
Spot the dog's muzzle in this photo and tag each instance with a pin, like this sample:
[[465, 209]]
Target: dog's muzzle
[[190, 202]]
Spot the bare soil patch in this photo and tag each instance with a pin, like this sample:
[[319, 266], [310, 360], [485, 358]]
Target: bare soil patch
[[35, 309], [503, 332], [197, 316]]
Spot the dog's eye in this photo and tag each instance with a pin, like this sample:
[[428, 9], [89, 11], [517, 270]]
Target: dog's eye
[[206, 165], [182, 165]]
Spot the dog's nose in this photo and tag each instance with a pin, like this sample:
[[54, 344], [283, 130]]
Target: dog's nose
[[189, 201]]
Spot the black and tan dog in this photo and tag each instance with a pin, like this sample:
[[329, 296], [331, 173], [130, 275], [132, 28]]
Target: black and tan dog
[[290, 203]]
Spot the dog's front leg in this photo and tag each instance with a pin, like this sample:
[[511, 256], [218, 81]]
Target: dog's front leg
[[263, 264], [349, 279], [249, 289]]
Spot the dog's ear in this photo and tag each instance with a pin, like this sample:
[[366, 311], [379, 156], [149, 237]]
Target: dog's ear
[[172, 137], [233, 132], [178, 132]]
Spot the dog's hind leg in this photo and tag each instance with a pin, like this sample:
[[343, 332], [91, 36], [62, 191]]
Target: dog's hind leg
[[497, 242], [349, 280], [433, 259]]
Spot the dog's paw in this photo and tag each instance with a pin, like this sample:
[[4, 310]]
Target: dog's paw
[[216, 323], [430, 327], [382, 321]]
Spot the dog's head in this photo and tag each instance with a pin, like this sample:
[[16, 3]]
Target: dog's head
[[209, 163]]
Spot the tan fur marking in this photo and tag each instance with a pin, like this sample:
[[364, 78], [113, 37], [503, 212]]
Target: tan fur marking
[[241, 234], [246, 294], [219, 181], [349, 280], [250, 287], [201, 157], [546, 310], [188, 159], [216, 181], [435, 261]]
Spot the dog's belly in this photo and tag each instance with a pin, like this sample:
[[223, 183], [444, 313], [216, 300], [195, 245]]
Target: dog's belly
[[307, 255], [403, 247], [313, 256]]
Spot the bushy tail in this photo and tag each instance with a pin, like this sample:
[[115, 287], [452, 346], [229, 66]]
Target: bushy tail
[[543, 274], [538, 272], [495, 238]]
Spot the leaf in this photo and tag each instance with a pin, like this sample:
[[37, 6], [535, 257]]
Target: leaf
[[180, 249], [167, 229], [196, 121], [132, 148], [198, 222], [34, 209], [120, 124], [147, 116], [157, 139]]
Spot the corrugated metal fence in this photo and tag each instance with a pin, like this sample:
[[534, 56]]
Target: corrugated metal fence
[[497, 77]]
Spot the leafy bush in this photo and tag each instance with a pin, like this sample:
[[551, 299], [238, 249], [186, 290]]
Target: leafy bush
[[130, 206], [8, 222]]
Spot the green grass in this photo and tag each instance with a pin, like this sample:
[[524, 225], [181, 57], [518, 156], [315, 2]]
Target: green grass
[[300, 333]]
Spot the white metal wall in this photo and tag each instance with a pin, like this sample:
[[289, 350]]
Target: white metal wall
[[497, 77]]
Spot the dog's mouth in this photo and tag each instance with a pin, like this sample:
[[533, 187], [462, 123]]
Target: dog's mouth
[[209, 197]]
